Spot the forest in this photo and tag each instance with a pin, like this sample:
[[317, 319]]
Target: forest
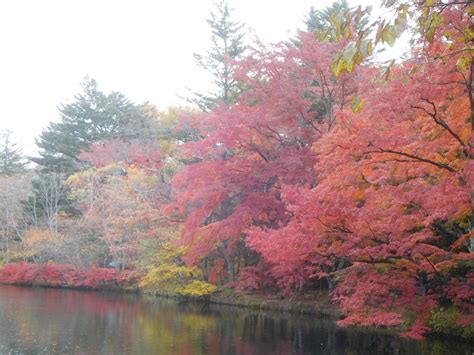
[[310, 169]]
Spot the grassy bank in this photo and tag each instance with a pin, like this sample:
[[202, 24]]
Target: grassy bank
[[316, 303]]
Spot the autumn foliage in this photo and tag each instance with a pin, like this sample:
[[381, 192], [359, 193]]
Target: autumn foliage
[[63, 275], [325, 174], [356, 181]]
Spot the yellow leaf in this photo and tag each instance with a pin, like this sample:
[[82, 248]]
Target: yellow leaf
[[347, 32], [356, 104], [337, 67], [463, 63], [389, 35]]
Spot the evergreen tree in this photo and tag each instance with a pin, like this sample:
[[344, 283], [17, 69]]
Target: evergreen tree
[[227, 39], [92, 117], [318, 20], [11, 158]]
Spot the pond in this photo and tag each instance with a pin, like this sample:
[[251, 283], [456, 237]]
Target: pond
[[51, 321]]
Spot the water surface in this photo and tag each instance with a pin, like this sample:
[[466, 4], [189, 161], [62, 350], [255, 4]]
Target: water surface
[[48, 321]]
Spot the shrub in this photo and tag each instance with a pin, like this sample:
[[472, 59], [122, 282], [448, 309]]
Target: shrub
[[64, 275]]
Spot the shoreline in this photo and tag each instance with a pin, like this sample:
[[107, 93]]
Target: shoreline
[[254, 301], [257, 301]]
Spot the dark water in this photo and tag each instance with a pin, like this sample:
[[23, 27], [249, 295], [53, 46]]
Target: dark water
[[45, 321]]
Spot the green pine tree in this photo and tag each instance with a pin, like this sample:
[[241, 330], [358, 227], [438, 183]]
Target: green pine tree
[[11, 158], [227, 39], [92, 117], [318, 20]]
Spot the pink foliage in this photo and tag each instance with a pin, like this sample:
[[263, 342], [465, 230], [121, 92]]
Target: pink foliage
[[251, 150], [321, 192], [62, 275], [254, 278], [118, 151]]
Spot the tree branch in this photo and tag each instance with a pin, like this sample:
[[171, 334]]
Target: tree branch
[[414, 157], [438, 120]]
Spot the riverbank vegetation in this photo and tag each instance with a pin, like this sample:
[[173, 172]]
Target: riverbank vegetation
[[310, 168]]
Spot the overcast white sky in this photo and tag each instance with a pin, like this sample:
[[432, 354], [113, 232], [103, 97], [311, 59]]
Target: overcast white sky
[[142, 48]]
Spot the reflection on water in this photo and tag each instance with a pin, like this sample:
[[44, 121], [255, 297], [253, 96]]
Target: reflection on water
[[46, 321]]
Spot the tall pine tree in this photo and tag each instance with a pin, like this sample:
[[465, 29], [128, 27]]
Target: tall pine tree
[[11, 158], [92, 117], [318, 20], [227, 39]]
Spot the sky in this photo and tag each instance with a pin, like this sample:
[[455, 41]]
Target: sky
[[142, 48]]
